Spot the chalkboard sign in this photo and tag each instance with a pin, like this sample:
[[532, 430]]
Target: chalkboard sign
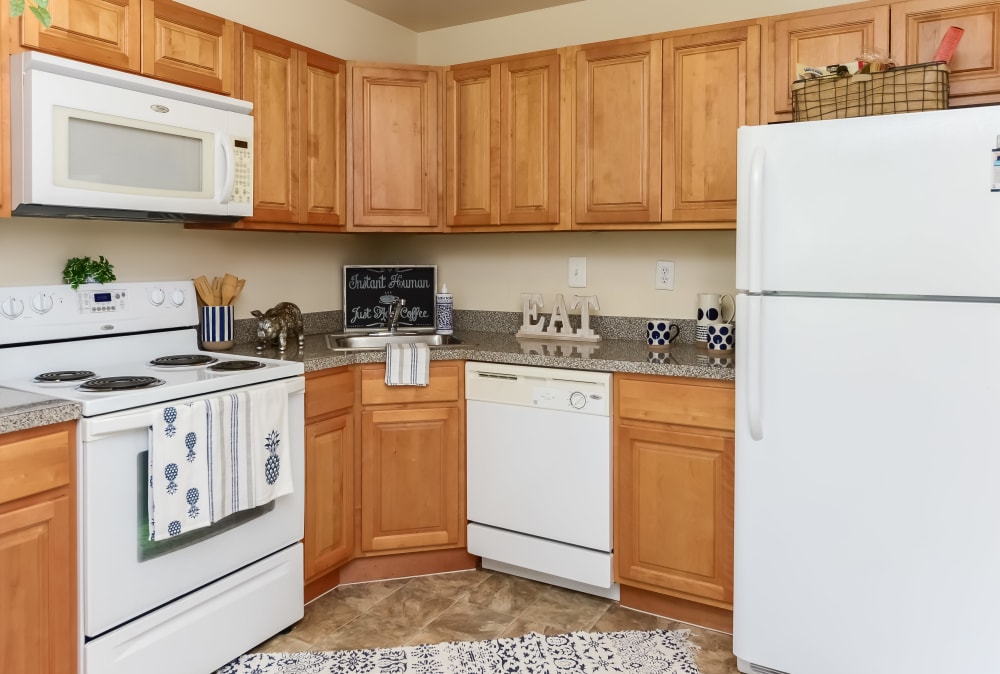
[[368, 292]]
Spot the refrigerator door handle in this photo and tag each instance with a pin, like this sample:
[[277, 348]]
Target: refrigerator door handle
[[753, 356], [755, 224]]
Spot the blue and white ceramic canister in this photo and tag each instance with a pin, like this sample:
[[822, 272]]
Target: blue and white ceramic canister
[[443, 314], [217, 328]]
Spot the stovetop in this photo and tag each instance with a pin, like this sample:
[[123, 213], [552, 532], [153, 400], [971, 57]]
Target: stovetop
[[167, 353]]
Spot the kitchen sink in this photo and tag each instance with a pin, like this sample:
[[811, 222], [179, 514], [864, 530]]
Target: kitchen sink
[[379, 340]]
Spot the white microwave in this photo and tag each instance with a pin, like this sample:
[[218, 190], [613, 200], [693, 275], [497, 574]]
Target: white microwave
[[89, 142]]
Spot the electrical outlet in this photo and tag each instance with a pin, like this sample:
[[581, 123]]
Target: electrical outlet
[[578, 272], [664, 275]]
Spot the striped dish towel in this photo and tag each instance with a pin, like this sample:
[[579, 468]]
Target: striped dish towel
[[407, 364]]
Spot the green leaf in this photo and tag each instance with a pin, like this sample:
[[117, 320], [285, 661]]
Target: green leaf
[[44, 4], [42, 15], [16, 7]]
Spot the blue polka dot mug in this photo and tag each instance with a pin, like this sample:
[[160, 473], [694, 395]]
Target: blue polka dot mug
[[660, 332], [721, 337]]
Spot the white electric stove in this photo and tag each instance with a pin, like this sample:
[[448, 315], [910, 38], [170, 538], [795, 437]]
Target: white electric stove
[[125, 352]]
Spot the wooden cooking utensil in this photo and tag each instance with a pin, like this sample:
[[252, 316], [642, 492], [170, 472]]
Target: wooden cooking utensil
[[228, 289], [204, 291], [239, 288], [217, 291]]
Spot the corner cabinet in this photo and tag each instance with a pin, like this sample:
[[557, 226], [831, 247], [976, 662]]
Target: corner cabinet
[[299, 98], [394, 121], [820, 37], [329, 496], [38, 586], [503, 144], [673, 489], [412, 461]]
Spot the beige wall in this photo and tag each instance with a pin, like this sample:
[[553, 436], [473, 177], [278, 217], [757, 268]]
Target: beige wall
[[489, 271], [333, 26], [589, 21], [300, 268]]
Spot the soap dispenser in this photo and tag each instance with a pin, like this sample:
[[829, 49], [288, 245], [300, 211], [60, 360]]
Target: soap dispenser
[[443, 316]]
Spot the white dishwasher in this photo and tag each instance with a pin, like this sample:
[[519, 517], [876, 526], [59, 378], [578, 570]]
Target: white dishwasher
[[539, 473]]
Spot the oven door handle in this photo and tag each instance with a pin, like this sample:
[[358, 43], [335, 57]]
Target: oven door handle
[[92, 429]]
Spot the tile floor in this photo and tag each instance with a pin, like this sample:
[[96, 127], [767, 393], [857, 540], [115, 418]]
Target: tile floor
[[472, 605]]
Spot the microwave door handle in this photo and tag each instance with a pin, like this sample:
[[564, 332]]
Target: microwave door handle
[[230, 167]]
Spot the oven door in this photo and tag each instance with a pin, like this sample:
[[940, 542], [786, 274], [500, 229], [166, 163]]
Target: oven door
[[123, 574]]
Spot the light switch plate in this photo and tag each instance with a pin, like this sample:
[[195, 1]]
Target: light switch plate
[[578, 272]]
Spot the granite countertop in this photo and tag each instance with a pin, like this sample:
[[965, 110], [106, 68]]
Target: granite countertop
[[20, 411], [609, 355]]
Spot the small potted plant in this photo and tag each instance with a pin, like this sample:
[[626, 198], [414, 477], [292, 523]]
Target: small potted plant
[[84, 270]]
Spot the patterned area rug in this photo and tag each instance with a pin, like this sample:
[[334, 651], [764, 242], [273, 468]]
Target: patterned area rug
[[634, 652]]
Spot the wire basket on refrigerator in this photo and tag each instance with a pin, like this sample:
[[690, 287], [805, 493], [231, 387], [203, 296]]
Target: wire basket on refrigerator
[[915, 88]]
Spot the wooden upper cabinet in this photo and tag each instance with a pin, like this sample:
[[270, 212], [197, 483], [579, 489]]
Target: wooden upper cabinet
[[529, 140], [323, 141], [105, 32], [472, 151], [183, 45], [919, 25], [618, 133], [300, 154], [5, 197], [711, 88], [502, 143], [270, 82], [817, 38], [394, 134]]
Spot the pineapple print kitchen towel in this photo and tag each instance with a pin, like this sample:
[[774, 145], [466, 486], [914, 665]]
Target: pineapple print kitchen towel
[[179, 470], [268, 437]]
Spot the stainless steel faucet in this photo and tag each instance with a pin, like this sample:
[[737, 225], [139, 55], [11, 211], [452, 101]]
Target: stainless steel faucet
[[395, 309]]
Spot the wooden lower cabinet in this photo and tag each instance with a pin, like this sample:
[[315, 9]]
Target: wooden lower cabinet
[[38, 626], [330, 473], [673, 486], [413, 464]]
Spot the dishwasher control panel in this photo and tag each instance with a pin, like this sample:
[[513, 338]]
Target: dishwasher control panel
[[574, 391]]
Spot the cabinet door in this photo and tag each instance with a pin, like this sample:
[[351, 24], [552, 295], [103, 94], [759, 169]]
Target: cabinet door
[[410, 479], [5, 204], [618, 133], [329, 538], [189, 47], [529, 149], [394, 131], [711, 88], [270, 81], [674, 512], [818, 39], [323, 151], [473, 146], [37, 592], [105, 32], [919, 25]]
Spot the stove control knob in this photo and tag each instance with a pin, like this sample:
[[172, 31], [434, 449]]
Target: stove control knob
[[577, 400], [157, 297], [177, 297], [11, 307], [41, 303]]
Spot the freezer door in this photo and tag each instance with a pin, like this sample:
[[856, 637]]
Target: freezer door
[[867, 535], [896, 204]]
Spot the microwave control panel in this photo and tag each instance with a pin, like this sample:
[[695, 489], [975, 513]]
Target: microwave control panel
[[243, 165]]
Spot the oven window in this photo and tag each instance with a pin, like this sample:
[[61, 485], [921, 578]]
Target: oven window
[[152, 549]]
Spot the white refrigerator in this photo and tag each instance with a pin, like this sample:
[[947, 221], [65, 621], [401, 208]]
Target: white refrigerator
[[868, 396]]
